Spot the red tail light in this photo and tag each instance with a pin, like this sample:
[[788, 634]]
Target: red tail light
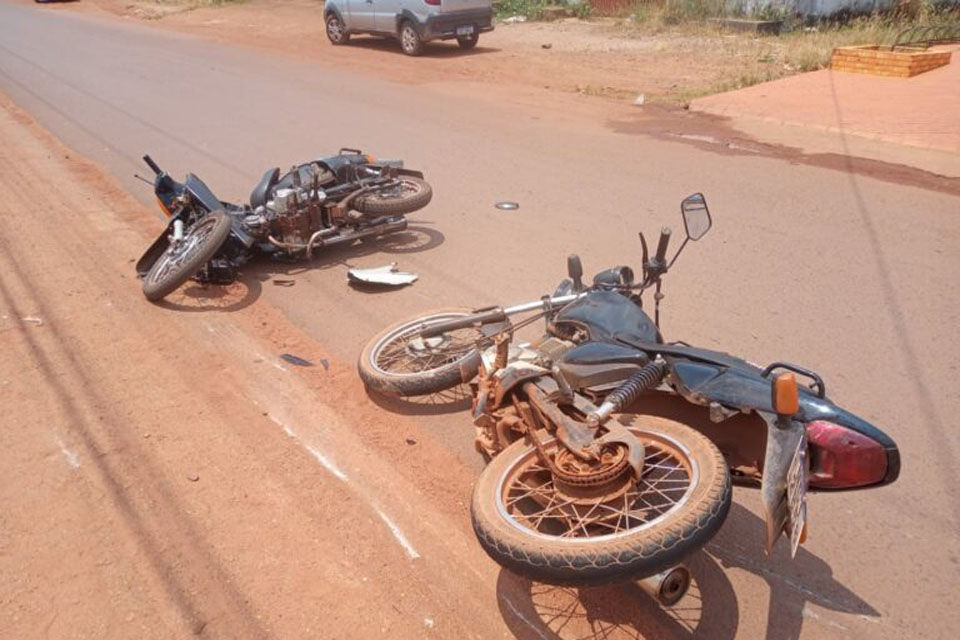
[[435, 3], [841, 458]]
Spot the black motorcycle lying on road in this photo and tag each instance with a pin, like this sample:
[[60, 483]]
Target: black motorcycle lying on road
[[328, 201], [611, 452]]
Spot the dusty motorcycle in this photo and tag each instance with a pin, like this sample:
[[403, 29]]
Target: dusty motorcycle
[[612, 452], [328, 201]]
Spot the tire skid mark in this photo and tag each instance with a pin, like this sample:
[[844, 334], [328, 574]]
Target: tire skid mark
[[334, 470], [515, 611], [72, 459], [287, 401]]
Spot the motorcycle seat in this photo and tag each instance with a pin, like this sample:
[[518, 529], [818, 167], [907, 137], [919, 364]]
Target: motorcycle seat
[[260, 193]]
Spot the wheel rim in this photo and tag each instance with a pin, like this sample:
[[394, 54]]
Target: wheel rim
[[174, 257], [404, 189], [404, 353], [334, 29], [530, 500], [409, 39]]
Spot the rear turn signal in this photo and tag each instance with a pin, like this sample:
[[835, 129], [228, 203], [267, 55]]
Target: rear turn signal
[[785, 399], [841, 458]]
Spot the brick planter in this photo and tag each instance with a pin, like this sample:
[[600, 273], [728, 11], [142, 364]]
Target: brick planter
[[901, 63]]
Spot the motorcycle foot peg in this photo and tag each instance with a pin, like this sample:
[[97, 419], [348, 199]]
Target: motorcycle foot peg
[[667, 587]]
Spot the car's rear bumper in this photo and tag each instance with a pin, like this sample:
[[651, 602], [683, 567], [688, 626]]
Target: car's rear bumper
[[444, 26]]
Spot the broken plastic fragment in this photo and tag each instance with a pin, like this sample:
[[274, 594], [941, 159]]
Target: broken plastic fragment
[[381, 275]]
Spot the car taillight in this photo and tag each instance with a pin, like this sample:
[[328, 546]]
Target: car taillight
[[435, 3], [841, 458]]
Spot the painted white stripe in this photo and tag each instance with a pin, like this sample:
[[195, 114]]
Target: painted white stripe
[[402, 539], [71, 457]]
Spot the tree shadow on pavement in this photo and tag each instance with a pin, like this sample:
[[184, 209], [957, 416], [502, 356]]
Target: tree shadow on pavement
[[196, 297], [535, 611]]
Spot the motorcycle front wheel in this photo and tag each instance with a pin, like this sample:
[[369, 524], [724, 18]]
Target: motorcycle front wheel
[[408, 195], [597, 523], [398, 362], [181, 261]]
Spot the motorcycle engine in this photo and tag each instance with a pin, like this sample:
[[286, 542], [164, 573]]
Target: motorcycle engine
[[291, 221]]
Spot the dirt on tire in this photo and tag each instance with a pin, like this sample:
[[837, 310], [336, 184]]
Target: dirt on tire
[[579, 561]]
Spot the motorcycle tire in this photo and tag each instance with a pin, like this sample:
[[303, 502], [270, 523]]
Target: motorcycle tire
[[178, 264], [444, 363], [410, 195], [539, 550]]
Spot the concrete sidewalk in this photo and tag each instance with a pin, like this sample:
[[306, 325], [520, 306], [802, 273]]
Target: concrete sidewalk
[[921, 112]]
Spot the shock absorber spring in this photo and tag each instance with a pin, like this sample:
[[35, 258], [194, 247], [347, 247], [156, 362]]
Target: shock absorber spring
[[623, 396]]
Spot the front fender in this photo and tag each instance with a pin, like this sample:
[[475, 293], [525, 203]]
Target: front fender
[[159, 246]]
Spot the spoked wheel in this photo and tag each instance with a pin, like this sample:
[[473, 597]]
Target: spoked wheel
[[181, 261], [398, 362], [409, 194], [596, 522]]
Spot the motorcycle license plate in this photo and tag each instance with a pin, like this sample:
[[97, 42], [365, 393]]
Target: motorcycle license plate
[[797, 479], [465, 31]]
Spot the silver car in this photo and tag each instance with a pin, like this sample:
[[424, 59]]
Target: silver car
[[413, 22]]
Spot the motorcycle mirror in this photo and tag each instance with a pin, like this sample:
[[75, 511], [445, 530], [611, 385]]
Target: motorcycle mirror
[[696, 216], [575, 271]]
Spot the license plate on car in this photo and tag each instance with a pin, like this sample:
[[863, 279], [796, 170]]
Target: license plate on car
[[465, 31], [797, 479]]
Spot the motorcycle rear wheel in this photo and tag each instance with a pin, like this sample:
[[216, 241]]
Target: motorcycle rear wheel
[[178, 264], [409, 195], [624, 529], [397, 362]]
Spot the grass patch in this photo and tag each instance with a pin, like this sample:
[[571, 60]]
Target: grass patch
[[534, 9]]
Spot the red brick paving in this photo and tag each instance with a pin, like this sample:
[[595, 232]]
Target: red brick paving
[[922, 111]]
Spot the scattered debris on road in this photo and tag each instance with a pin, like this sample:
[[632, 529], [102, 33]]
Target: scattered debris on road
[[33, 320], [385, 275], [292, 359], [284, 283], [507, 205]]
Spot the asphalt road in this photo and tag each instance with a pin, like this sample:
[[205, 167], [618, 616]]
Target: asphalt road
[[845, 274]]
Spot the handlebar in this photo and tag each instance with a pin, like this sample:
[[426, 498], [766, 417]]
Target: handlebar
[[472, 320], [152, 164], [662, 245]]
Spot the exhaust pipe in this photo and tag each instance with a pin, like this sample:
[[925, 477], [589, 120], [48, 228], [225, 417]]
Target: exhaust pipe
[[668, 586], [388, 226], [323, 238]]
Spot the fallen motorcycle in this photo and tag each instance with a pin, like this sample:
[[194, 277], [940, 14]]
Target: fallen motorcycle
[[612, 452], [328, 201]]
